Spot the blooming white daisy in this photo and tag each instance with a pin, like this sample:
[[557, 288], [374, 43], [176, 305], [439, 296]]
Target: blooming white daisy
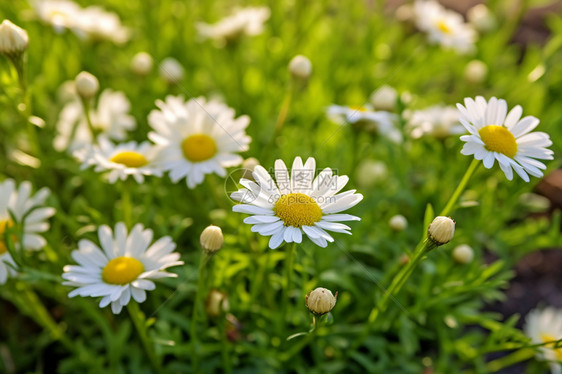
[[197, 137], [124, 160], [125, 265], [367, 118], [544, 326], [497, 135], [244, 21], [286, 207], [437, 121], [92, 22], [111, 119], [443, 26], [29, 212]]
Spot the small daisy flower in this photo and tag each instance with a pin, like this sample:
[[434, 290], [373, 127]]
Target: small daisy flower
[[29, 211], [437, 121], [544, 326], [244, 21], [111, 119], [497, 135], [61, 14], [444, 27], [122, 268], [368, 119], [294, 204], [123, 160], [197, 137]]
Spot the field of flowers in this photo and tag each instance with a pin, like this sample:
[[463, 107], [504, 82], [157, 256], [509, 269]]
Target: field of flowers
[[177, 179]]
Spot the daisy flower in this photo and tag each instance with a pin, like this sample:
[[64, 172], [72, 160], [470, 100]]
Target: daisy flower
[[122, 268], [110, 118], [61, 14], [497, 135], [197, 137], [438, 121], [294, 204], [29, 211], [544, 326], [123, 160], [244, 21], [444, 27], [368, 119]]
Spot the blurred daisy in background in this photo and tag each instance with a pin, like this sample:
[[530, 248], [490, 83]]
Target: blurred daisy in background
[[243, 21], [497, 135], [123, 160], [124, 267], [437, 121], [544, 326], [197, 137], [367, 119], [93, 22], [110, 119], [444, 27], [298, 203], [28, 210]]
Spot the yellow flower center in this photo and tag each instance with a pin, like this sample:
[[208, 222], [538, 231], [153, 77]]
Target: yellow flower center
[[122, 270], [359, 108], [549, 338], [130, 159], [498, 139], [3, 225], [441, 25], [297, 210], [199, 147]]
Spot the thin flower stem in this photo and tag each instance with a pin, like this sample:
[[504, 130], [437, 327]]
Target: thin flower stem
[[296, 348], [225, 347], [460, 188], [126, 203], [509, 360], [86, 107], [289, 260], [139, 320], [197, 304]]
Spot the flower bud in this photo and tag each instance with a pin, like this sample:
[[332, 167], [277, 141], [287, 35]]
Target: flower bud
[[398, 222], [384, 98], [481, 18], [13, 39], [171, 70], [216, 303], [212, 239], [320, 301], [371, 172], [475, 71], [142, 63], [86, 85], [463, 254], [300, 67], [441, 230]]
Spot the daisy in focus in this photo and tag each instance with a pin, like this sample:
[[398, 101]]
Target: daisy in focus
[[28, 210], [366, 118], [124, 267], [506, 137], [544, 326], [244, 21], [123, 160], [197, 137], [443, 26], [110, 119], [296, 203], [437, 121], [91, 23]]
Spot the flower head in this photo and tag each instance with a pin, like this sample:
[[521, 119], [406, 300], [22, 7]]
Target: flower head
[[171, 70], [244, 21], [122, 268], [13, 39], [142, 63], [87, 85], [441, 230], [300, 67], [123, 160], [29, 212], [463, 254], [506, 137], [320, 301], [544, 326], [197, 137], [298, 203], [443, 26], [212, 239]]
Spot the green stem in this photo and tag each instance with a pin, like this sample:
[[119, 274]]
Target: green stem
[[139, 320], [225, 347], [126, 203], [283, 112], [460, 188], [196, 306], [289, 260], [296, 348], [511, 359], [86, 106]]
